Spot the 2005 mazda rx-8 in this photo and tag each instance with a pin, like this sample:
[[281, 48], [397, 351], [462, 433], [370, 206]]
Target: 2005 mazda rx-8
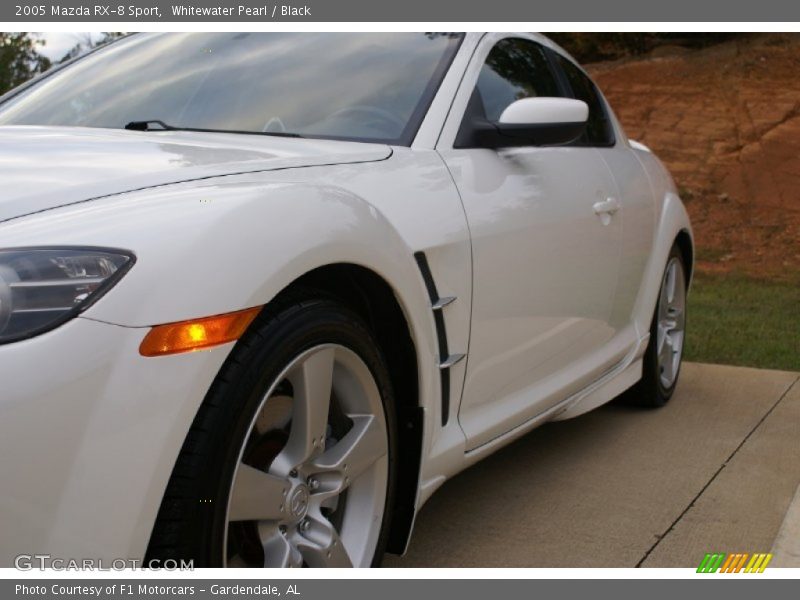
[[262, 294]]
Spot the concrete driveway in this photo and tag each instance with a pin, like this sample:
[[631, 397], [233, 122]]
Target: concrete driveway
[[715, 470]]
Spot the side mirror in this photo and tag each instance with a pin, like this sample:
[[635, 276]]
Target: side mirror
[[529, 122]]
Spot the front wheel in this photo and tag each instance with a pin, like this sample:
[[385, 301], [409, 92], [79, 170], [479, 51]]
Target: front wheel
[[662, 359], [290, 461]]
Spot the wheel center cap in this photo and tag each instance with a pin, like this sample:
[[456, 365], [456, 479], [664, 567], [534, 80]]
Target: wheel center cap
[[298, 501]]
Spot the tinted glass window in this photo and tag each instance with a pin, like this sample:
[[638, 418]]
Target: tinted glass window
[[599, 131], [349, 86], [514, 69]]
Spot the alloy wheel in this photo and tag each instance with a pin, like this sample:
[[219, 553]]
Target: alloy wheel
[[309, 488], [671, 323]]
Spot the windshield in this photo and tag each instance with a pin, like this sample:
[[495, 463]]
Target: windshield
[[363, 87]]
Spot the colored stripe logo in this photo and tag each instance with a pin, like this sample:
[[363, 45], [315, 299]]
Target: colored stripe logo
[[719, 562]]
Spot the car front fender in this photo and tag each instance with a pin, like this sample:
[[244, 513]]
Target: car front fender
[[223, 246]]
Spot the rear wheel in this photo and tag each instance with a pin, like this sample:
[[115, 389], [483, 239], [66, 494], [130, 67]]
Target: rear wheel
[[662, 359], [290, 461]]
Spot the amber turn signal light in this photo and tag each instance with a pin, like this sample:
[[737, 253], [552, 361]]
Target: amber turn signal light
[[187, 336]]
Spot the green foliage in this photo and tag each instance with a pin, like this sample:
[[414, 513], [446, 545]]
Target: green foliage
[[19, 59], [89, 43], [738, 320]]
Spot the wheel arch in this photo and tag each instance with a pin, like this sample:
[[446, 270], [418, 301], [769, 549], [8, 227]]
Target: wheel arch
[[369, 295], [673, 228], [253, 238], [686, 246]]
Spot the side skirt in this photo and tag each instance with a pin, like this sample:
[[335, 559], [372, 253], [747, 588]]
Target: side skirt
[[626, 373]]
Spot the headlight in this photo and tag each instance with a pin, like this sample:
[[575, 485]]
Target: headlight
[[41, 288]]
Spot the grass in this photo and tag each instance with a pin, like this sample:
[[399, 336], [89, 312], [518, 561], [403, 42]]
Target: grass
[[738, 320]]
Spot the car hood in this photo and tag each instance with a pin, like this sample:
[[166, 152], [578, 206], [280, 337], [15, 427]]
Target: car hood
[[47, 167]]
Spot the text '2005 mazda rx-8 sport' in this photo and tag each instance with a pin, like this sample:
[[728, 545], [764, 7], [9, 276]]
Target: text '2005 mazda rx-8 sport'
[[262, 294]]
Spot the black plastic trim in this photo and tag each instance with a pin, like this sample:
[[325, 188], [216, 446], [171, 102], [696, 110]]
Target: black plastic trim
[[553, 56], [412, 421], [480, 133], [441, 332]]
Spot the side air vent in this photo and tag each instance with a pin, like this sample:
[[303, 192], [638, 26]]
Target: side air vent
[[442, 302], [446, 360]]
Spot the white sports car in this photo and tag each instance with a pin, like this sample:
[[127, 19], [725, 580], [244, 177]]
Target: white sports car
[[262, 294]]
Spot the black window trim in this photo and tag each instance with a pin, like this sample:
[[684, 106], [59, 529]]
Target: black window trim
[[563, 88], [581, 142]]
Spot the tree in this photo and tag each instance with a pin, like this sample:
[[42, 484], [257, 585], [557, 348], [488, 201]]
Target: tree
[[87, 42], [19, 59]]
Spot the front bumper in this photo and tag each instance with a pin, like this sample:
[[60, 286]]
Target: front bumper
[[89, 433]]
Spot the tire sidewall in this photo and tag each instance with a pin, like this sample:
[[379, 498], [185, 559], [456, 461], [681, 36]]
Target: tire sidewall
[[664, 393], [251, 370]]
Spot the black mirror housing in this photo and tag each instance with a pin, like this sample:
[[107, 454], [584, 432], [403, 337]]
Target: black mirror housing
[[481, 133]]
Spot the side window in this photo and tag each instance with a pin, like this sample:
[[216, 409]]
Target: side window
[[515, 69], [599, 131]]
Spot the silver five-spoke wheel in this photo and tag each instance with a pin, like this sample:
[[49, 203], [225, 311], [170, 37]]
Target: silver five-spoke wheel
[[661, 363], [309, 488], [671, 322]]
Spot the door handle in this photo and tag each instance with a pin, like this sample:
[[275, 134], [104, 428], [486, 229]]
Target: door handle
[[607, 207]]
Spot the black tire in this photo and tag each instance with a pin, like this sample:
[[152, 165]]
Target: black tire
[[649, 392], [191, 521]]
